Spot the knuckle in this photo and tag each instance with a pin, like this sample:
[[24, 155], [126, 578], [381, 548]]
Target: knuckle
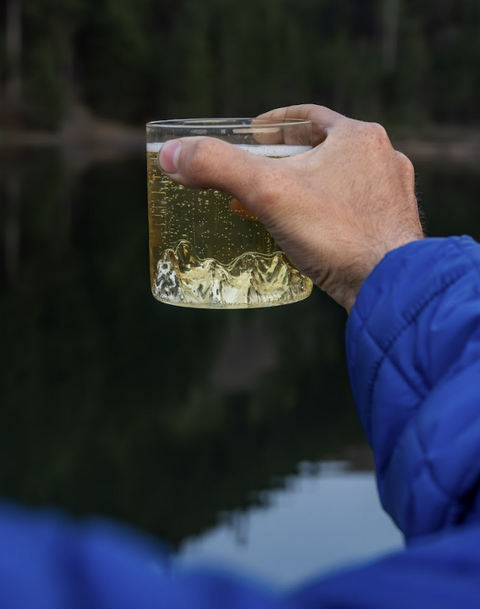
[[373, 133], [312, 108], [378, 132], [197, 162], [405, 165]]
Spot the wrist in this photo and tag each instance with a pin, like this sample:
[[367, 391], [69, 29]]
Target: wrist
[[344, 285]]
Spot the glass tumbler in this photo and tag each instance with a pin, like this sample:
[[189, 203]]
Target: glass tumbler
[[206, 250]]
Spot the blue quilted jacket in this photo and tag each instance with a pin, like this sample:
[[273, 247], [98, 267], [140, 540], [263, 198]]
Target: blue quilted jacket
[[413, 346]]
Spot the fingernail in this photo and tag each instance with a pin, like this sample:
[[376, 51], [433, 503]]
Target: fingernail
[[168, 156]]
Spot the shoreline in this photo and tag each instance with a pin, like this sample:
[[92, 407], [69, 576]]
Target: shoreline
[[445, 144], [126, 137], [463, 151]]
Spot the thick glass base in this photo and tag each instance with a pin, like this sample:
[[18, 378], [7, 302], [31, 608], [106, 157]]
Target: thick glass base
[[250, 281]]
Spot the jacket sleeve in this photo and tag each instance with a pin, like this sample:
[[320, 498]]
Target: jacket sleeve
[[48, 561], [413, 346]]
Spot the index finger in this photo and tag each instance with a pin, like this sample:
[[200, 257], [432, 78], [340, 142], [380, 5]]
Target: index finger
[[323, 119], [290, 131]]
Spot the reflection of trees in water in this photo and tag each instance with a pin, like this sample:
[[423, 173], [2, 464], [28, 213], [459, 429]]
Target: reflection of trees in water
[[12, 223], [164, 417]]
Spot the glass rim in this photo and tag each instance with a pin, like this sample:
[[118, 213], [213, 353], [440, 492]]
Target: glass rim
[[228, 123]]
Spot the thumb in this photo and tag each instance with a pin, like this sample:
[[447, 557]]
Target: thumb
[[203, 162]]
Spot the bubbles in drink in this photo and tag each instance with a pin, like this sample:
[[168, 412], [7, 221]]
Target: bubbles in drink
[[204, 254]]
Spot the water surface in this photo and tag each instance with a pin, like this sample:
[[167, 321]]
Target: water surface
[[180, 422]]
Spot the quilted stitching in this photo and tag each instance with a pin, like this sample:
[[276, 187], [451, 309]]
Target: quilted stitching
[[410, 319], [370, 347]]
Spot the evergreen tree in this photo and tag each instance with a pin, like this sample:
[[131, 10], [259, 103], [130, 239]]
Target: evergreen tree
[[133, 60]]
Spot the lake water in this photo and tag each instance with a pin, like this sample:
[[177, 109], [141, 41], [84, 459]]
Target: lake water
[[232, 436]]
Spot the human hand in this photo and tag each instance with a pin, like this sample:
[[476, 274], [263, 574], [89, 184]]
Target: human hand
[[335, 210]]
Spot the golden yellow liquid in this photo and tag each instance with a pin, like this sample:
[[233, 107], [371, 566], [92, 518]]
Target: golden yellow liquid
[[204, 255]]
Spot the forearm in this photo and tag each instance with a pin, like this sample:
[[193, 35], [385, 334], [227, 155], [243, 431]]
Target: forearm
[[413, 343]]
